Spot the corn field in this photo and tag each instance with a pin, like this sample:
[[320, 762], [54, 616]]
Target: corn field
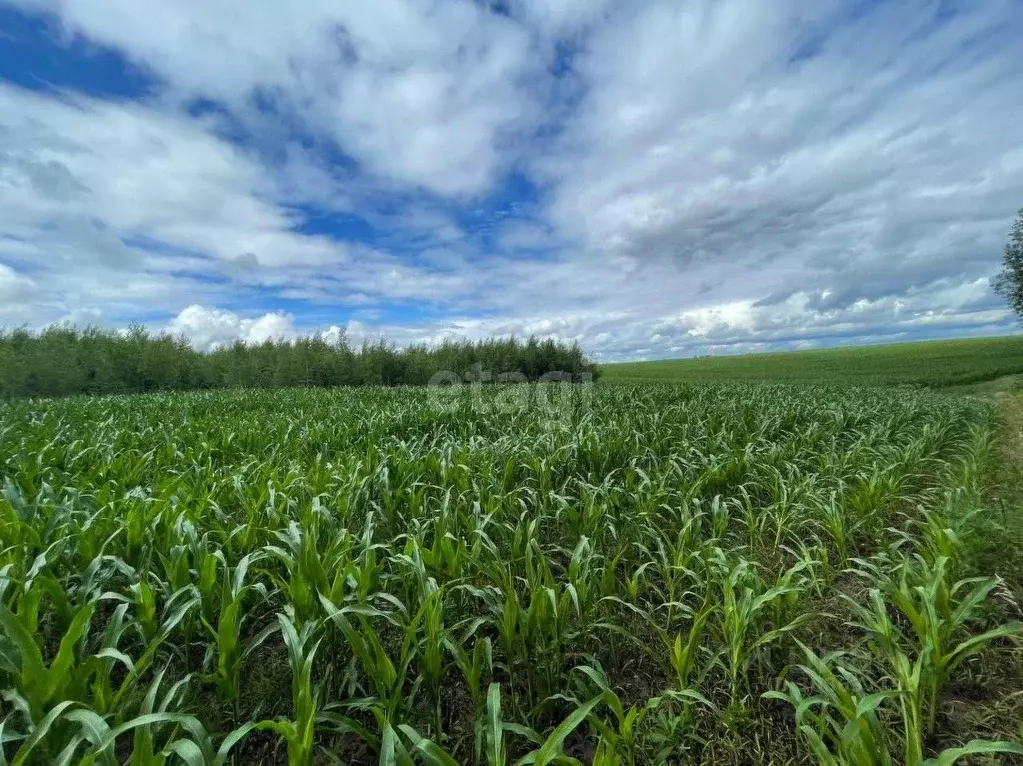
[[659, 574]]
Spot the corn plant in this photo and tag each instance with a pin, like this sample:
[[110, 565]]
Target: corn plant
[[473, 668], [842, 722], [228, 647], [384, 677], [299, 732], [746, 626], [489, 584], [619, 741], [938, 615]]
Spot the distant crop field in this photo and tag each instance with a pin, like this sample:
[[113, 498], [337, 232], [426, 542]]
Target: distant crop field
[[612, 575], [936, 363]]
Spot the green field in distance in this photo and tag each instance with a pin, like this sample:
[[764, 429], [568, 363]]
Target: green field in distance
[[932, 363]]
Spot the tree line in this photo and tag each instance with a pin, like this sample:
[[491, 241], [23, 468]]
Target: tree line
[[66, 360]]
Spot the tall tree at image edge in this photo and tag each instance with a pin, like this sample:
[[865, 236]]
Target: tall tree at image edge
[[1009, 283]]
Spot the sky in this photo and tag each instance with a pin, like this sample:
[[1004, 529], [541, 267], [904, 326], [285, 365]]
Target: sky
[[651, 178]]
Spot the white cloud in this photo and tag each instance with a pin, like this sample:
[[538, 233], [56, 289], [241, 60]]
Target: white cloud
[[863, 151], [335, 334], [562, 18], [708, 176], [138, 172], [17, 295], [422, 93], [14, 286], [210, 328], [524, 235], [634, 331], [133, 211]]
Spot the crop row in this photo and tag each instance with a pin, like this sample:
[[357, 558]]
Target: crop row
[[663, 574]]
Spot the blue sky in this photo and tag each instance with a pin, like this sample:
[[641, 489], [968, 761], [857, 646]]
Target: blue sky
[[653, 178]]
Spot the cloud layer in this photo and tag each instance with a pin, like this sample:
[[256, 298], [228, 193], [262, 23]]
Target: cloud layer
[[650, 179]]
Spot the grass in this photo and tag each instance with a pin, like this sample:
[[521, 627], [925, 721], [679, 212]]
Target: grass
[[935, 363], [994, 545], [620, 575], [1001, 548]]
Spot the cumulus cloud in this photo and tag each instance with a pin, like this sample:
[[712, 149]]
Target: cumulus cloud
[[422, 93], [734, 327], [118, 169], [119, 204], [129, 209], [210, 328]]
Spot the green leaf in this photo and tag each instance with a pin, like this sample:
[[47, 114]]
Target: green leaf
[[33, 676], [39, 733], [976, 747], [432, 753], [232, 739], [551, 748], [495, 733], [188, 751]]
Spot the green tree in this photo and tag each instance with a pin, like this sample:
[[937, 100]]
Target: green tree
[[63, 360], [1009, 283]]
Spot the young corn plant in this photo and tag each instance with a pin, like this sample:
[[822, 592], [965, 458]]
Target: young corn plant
[[229, 648], [183, 737], [430, 648], [475, 669], [110, 691], [842, 723], [939, 616], [299, 732], [548, 751], [745, 626], [159, 733], [306, 565], [36, 688], [690, 660], [385, 679], [619, 741]]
